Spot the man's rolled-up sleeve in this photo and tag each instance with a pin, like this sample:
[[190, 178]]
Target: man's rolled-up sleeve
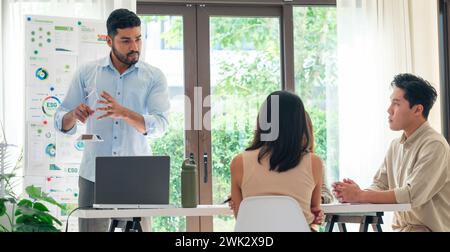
[[380, 180], [59, 117], [74, 97], [158, 106], [428, 176], [156, 125]]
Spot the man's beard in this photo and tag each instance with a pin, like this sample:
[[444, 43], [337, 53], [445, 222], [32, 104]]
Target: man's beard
[[124, 58]]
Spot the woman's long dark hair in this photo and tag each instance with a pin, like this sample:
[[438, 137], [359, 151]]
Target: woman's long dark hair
[[292, 143]]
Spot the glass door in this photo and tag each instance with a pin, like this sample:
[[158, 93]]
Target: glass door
[[315, 50], [170, 46], [239, 66], [225, 61]]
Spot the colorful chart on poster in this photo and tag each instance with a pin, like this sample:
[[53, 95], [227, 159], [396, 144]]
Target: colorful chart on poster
[[50, 105], [55, 48], [42, 74]]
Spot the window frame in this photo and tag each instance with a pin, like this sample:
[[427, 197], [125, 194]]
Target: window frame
[[287, 26], [282, 9], [242, 2], [444, 66]]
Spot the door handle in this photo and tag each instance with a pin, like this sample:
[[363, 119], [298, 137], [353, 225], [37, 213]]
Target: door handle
[[205, 163]]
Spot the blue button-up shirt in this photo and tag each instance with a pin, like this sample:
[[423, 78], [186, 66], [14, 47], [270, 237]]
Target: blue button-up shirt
[[142, 89]]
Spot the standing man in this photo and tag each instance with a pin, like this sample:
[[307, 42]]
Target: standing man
[[122, 99], [416, 169]]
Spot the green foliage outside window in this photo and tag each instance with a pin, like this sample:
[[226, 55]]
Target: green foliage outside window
[[315, 70]]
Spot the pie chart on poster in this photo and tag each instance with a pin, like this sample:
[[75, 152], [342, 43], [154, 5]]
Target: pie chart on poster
[[50, 105], [51, 150], [41, 74]]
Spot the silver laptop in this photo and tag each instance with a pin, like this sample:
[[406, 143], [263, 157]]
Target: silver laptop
[[132, 182]]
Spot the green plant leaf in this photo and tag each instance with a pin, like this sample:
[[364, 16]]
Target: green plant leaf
[[35, 213], [24, 219], [44, 219], [7, 176], [26, 210], [47, 218], [35, 228], [11, 200], [25, 202], [2, 207], [37, 194], [23, 228], [40, 207], [3, 229], [48, 228]]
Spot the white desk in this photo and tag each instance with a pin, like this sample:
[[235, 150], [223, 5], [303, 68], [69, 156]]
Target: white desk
[[147, 214], [201, 210], [363, 214], [364, 208]]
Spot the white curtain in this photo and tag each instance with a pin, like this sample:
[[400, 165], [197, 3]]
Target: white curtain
[[378, 39], [13, 12], [1, 64], [373, 45]]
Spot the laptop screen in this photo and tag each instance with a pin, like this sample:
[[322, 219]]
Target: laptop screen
[[132, 180]]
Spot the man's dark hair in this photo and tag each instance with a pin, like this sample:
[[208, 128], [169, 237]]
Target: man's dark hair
[[417, 91], [121, 19], [288, 150]]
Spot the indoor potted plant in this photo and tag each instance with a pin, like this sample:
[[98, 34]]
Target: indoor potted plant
[[22, 214]]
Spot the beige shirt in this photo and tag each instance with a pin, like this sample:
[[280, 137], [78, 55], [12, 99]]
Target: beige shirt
[[297, 183], [417, 169]]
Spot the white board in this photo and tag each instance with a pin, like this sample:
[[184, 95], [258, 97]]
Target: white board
[[55, 48]]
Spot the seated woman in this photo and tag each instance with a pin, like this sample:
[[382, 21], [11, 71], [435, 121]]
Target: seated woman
[[317, 163], [281, 166]]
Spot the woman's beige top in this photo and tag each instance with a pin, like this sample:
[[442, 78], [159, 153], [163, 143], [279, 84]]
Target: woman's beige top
[[297, 183]]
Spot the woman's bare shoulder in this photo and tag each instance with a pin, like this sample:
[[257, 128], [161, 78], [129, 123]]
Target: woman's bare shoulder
[[237, 163], [317, 165]]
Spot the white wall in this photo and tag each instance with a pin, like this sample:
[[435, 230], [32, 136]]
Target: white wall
[[2, 99]]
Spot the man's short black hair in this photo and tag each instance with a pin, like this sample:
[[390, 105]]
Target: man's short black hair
[[417, 91], [121, 19]]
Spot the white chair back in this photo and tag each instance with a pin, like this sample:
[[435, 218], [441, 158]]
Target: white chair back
[[271, 214]]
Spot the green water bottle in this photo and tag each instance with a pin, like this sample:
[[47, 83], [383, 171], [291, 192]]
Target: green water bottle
[[189, 185]]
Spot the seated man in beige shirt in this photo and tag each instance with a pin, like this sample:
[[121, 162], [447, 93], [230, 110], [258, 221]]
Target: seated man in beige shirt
[[417, 166]]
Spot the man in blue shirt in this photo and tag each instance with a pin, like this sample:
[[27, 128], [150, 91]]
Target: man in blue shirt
[[121, 99]]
